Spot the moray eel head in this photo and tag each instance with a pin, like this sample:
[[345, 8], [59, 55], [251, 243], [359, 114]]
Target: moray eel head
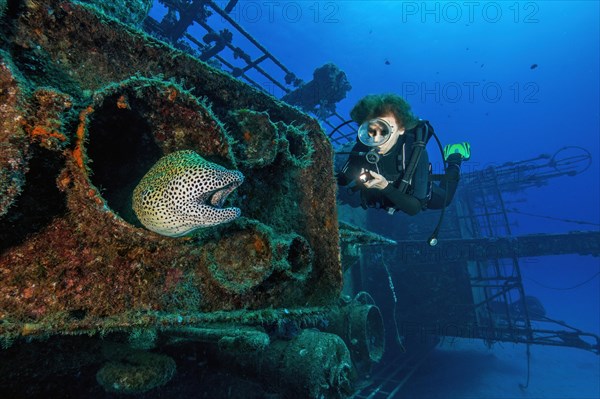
[[183, 192]]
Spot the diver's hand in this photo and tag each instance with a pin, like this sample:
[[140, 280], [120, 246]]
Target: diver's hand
[[378, 182]]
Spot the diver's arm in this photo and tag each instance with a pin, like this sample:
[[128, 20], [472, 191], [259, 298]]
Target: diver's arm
[[445, 190], [406, 203]]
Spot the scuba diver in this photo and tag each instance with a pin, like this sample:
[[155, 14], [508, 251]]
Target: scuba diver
[[389, 164]]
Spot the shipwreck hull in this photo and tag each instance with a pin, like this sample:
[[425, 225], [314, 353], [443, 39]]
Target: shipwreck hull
[[93, 104], [87, 106]]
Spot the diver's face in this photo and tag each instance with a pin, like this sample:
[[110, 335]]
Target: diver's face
[[380, 129], [375, 132], [396, 131], [380, 132]]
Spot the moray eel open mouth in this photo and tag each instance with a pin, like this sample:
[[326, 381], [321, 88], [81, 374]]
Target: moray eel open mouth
[[183, 192], [218, 197]]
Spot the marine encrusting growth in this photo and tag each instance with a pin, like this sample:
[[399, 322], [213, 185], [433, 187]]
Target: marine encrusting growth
[[92, 106], [183, 192]]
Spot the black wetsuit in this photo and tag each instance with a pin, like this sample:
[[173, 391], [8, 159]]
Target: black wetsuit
[[421, 194]]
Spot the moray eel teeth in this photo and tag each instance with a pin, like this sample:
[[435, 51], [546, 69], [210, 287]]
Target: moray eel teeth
[[183, 192]]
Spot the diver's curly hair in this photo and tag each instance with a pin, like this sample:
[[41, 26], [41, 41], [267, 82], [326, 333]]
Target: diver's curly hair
[[375, 105]]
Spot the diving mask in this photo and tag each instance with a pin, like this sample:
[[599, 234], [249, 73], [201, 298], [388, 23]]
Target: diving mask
[[375, 132]]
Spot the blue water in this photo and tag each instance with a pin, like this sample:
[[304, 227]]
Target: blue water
[[470, 68]]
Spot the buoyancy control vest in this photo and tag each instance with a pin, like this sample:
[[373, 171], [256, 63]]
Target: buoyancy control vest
[[400, 166]]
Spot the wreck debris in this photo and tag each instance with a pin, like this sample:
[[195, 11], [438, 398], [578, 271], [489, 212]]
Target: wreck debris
[[361, 327], [98, 104], [238, 338], [260, 139], [14, 148], [120, 110], [320, 95], [131, 12], [284, 257], [312, 364], [136, 372]]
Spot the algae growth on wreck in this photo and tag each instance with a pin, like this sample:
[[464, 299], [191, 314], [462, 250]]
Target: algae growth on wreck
[[89, 105]]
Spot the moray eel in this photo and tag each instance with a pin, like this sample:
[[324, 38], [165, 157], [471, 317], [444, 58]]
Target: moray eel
[[183, 192]]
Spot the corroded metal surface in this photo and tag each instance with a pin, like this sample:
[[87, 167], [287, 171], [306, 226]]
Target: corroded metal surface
[[13, 139], [106, 102]]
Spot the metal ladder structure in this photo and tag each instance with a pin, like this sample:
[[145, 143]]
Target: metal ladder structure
[[504, 312]]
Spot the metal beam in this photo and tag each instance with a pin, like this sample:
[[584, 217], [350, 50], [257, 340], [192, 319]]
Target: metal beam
[[481, 249]]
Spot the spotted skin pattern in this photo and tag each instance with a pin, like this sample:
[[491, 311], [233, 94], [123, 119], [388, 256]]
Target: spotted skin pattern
[[183, 192]]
